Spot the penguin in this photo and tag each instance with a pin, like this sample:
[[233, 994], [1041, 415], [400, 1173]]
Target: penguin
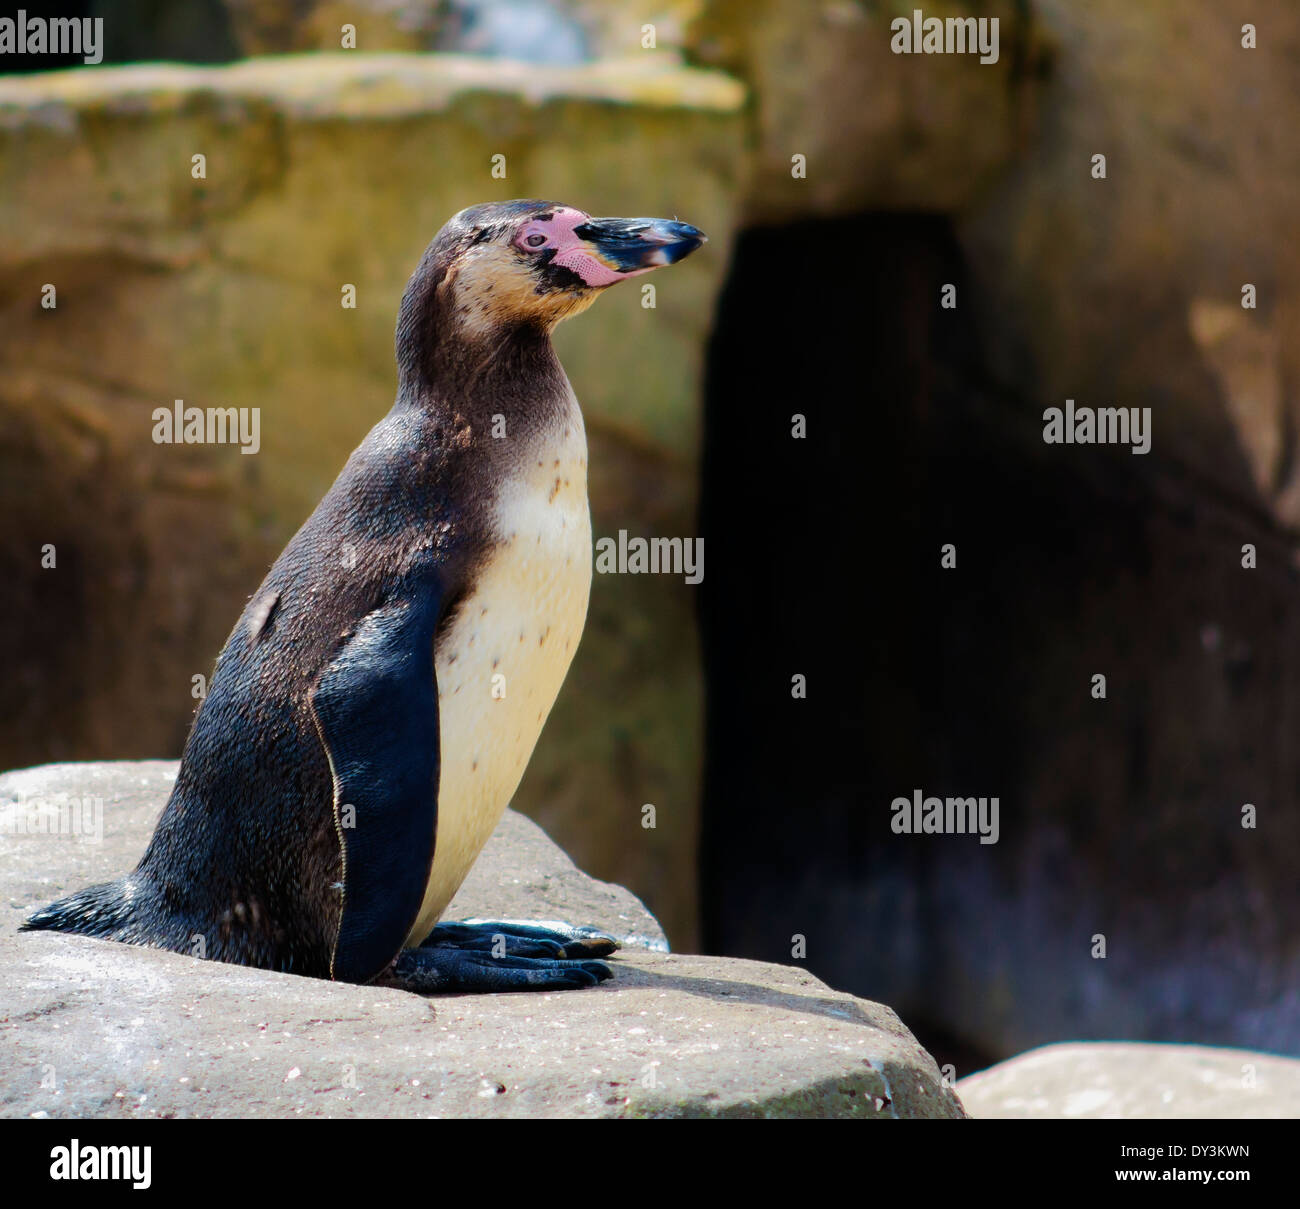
[[375, 706]]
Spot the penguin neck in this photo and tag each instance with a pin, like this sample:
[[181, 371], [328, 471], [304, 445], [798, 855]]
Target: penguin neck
[[511, 370]]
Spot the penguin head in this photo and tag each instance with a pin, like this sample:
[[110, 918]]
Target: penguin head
[[537, 262]]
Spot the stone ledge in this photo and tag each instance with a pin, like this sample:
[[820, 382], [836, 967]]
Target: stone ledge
[[348, 84]]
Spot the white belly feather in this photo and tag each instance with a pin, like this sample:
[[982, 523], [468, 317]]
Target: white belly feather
[[501, 665]]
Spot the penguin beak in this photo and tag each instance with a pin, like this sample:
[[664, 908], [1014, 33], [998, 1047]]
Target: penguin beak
[[636, 245]]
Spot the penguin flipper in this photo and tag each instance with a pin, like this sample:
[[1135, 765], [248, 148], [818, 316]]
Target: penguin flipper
[[376, 708]]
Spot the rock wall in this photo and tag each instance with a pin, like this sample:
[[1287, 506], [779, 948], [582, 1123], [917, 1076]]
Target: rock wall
[[1120, 817], [1198, 201], [876, 130]]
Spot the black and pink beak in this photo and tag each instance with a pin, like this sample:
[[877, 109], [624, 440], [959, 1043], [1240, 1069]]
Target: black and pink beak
[[572, 248], [631, 246]]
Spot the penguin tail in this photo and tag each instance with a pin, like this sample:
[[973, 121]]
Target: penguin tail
[[102, 910]]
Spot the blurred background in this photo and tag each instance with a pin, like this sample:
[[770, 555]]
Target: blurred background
[[843, 188]]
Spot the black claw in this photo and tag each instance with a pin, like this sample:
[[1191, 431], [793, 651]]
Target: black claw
[[595, 946]]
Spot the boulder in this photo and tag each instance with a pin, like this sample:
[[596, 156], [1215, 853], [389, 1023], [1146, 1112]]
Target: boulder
[[227, 290], [93, 1028], [1136, 1082]]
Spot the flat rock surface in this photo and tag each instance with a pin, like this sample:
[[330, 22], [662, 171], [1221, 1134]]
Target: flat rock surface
[[92, 1028], [1136, 1081]]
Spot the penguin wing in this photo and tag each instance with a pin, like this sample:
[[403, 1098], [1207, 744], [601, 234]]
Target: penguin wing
[[376, 707]]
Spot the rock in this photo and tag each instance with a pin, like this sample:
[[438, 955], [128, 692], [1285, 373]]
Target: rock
[[1128, 291], [1136, 1082], [877, 130], [324, 171], [93, 1028], [1160, 817]]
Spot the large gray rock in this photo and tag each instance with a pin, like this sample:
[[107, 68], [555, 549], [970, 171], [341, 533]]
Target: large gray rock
[[92, 1028], [1136, 1082]]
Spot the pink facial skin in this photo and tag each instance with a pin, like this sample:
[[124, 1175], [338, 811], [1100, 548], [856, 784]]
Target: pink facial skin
[[570, 251]]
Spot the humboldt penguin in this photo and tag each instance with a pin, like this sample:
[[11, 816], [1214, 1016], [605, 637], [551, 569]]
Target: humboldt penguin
[[374, 708]]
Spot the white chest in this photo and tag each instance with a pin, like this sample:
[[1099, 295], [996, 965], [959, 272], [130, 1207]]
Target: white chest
[[501, 664]]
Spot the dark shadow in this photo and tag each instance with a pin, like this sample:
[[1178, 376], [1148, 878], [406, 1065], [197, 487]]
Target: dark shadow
[[1119, 817]]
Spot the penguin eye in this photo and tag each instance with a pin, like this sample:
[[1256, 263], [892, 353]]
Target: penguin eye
[[535, 241]]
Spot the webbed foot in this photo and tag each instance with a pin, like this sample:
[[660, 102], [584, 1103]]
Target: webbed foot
[[444, 969], [521, 938]]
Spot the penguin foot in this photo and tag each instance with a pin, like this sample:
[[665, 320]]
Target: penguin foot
[[444, 970], [521, 938]]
